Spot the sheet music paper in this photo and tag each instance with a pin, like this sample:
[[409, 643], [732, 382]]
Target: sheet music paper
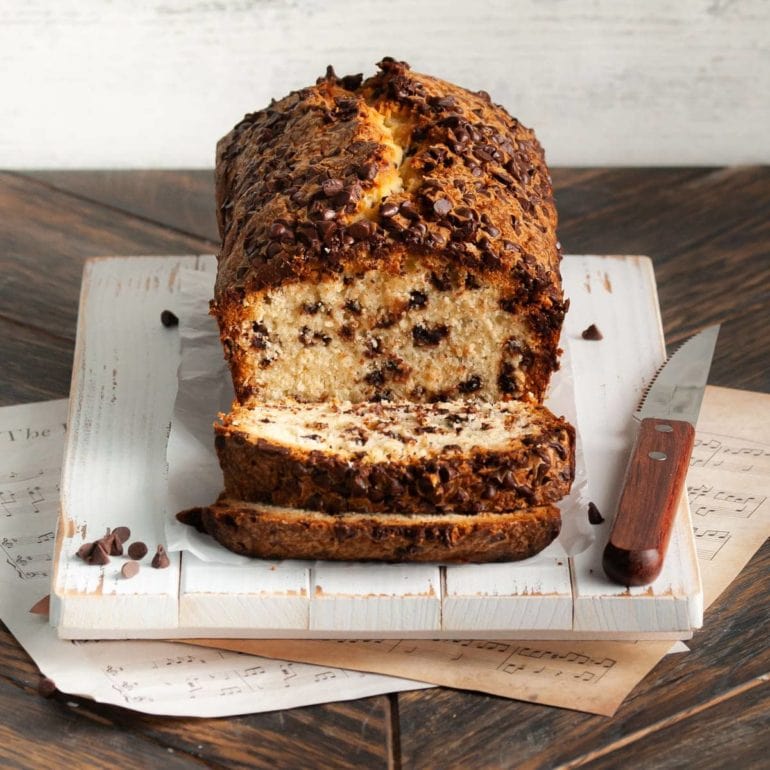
[[729, 487], [155, 677]]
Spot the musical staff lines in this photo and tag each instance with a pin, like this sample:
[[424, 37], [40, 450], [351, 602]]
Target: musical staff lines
[[708, 542], [30, 494], [706, 499], [712, 450], [216, 674], [29, 555]]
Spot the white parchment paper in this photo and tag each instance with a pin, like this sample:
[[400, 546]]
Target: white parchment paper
[[205, 389]]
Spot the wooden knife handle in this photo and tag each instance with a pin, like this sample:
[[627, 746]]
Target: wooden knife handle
[[653, 485]]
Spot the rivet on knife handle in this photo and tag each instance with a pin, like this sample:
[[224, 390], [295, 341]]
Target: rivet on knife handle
[[654, 481]]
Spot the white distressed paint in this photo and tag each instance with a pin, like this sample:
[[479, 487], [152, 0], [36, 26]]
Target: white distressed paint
[[155, 83], [122, 398]]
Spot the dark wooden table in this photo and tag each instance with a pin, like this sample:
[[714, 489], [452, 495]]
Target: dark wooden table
[[708, 231]]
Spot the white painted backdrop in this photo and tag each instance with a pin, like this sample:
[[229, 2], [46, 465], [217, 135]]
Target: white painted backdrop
[[154, 83]]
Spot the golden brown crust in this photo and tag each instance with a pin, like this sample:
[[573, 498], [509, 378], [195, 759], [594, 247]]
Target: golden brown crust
[[299, 198], [277, 533], [532, 468]]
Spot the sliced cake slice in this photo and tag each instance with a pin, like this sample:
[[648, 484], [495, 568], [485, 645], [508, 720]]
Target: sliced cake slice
[[399, 457], [275, 532]]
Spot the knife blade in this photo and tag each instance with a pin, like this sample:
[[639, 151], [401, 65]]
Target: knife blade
[[657, 468]]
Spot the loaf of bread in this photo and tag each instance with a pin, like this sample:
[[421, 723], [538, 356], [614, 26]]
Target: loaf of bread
[[393, 239], [404, 457], [273, 532]]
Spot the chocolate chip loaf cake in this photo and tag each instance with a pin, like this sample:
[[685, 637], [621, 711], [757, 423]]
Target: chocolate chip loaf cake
[[387, 239], [459, 456], [273, 532]]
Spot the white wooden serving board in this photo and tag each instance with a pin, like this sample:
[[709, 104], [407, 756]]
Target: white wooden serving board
[[122, 397]]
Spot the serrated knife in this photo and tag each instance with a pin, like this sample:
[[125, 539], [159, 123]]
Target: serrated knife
[[656, 471]]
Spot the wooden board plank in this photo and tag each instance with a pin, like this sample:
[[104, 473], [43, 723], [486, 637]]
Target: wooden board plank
[[115, 451], [623, 304], [495, 597], [403, 598], [112, 387]]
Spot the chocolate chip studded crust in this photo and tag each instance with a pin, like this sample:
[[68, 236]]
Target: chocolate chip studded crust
[[271, 532], [386, 239], [460, 456]]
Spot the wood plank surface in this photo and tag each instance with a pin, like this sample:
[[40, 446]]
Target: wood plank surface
[[708, 233]]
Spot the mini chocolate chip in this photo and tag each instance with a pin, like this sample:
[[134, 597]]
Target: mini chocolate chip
[[277, 230], [122, 533], [331, 187], [353, 306], [417, 299], [594, 516], [360, 230], [424, 336], [129, 569], [508, 481], [99, 555], [471, 385], [46, 687], [168, 319], [490, 492], [366, 171], [442, 207], [592, 333], [375, 377], [85, 551], [138, 550], [388, 210], [112, 545], [161, 560]]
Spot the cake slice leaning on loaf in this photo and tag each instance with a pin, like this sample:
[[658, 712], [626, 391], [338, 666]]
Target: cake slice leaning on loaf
[[401, 457]]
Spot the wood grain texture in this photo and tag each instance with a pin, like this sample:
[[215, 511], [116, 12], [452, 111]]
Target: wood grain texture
[[156, 83], [46, 236], [451, 729], [708, 234], [654, 481]]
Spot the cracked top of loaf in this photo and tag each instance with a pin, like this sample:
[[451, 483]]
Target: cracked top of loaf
[[350, 175]]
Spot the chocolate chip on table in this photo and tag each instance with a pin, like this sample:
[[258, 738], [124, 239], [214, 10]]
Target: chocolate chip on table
[[46, 687], [592, 333], [112, 544], [84, 552], [99, 555], [594, 516], [161, 560], [129, 569], [137, 550], [122, 533], [167, 318]]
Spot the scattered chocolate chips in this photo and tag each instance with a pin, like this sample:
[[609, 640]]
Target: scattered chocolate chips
[[138, 550], [122, 533], [129, 569], [592, 333], [46, 687], [424, 336], [160, 560], [98, 555], [84, 552], [594, 516], [388, 210], [167, 318], [332, 187]]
